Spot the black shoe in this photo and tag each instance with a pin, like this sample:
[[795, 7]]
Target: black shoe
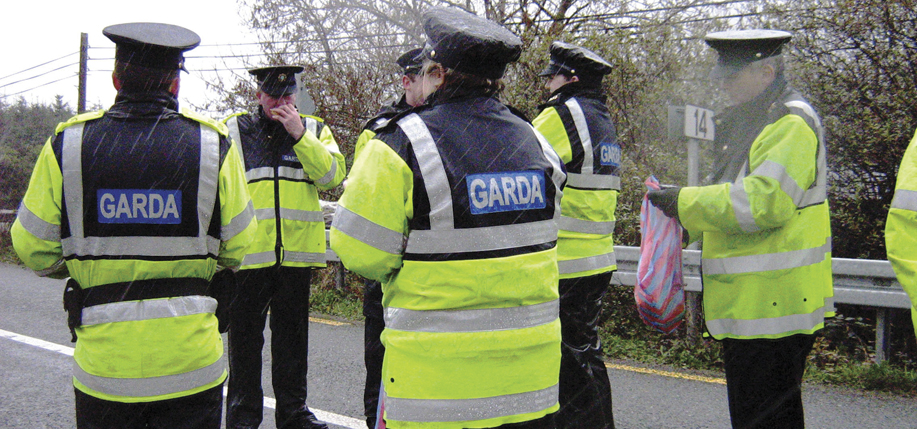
[[315, 423]]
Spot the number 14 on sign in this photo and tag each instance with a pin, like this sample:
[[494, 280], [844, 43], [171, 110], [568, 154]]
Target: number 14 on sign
[[698, 123]]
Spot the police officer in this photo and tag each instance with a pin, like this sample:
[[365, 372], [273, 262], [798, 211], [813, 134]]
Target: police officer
[[452, 206], [900, 227], [139, 204], [577, 124], [766, 234], [410, 63], [288, 158]]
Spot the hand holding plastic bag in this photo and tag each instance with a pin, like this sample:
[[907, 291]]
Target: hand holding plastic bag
[[659, 290]]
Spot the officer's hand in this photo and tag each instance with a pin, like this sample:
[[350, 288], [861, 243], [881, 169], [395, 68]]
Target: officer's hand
[[289, 117], [665, 199]]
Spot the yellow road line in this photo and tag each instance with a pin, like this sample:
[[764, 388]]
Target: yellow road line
[[327, 321], [666, 373]]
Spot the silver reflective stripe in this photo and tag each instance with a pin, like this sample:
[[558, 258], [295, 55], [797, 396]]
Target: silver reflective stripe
[[587, 264], [36, 226], [258, 258], [148, 309], [152, 386], [800, 197], [312, 126], [741, 207], [236, 136], [905, 200], [301, 215], [208, 178], [766, 262], [265, 214], [366, 231], [771, 326], [478, 320], [432, 171], [451, 410], [291, 173], [329, 176], [140, 246], [238, 223], [566, 223], [482, 239], [556, 164], [259, 173], [80, 245], [72, 171], [594, 181], [290, 256], [579, 120]]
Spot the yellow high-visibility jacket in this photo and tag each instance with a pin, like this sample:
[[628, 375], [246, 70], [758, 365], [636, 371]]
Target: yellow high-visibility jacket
[[766, 232], [576, 122], [112, 209], [462, 237], [284, 177], [901, 227]]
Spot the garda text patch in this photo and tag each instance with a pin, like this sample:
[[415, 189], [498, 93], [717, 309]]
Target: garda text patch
[[609, 154], [507, 191], [150, 206]]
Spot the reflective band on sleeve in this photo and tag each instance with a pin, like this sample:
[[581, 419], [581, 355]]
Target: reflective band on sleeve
[[594, 181], [208, 178], [741, 207], [366, 231], [431, 168], [585, 226], [152, 386], [329, 176], [478, 320], [452, 410], [72, 171], [259, 173], [290, 256], [141, 246], [800, 197], [482, 239], [905, 200], [148, 309], [771, 326], [259, 258], [551, 155], [766, 262], [238, 223], [36, 226], [301, 215], [587, 264], [579, 120]]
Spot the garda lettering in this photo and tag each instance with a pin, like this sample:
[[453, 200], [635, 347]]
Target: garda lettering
[[503, 192], [610, 154], [148, 206]]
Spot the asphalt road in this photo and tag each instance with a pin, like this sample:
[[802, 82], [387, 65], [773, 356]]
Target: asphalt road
[[36, 391]]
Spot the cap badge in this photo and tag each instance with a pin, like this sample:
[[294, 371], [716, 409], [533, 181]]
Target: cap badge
[[282, 77]]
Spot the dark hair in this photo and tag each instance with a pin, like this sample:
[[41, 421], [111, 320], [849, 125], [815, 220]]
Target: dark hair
[[135, 77], [455, 80]]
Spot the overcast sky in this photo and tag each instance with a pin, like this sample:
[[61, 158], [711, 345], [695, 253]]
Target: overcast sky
[[34, 32]]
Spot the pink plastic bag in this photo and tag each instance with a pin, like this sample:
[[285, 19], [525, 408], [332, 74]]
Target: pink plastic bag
[[659, 290]]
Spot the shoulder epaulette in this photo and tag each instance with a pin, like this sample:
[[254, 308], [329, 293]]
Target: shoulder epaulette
[[82, 117], [313, 117], [244, 112], [210, 122]]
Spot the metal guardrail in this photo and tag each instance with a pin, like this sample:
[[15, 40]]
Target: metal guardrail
[[864, 282]]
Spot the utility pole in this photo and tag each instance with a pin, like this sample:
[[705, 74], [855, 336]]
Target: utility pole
[[84, 70]]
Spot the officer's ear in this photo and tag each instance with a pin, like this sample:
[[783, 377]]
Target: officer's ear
[[115, 81], [173, 87]]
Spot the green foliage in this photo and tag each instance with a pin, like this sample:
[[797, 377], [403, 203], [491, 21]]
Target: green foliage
[[24, 128]]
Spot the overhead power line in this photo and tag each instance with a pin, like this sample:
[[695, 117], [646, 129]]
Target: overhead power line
[[38, 75], [34, 88], [42, 64]]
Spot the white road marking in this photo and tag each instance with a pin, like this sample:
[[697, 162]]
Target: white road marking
[[326, 416]]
